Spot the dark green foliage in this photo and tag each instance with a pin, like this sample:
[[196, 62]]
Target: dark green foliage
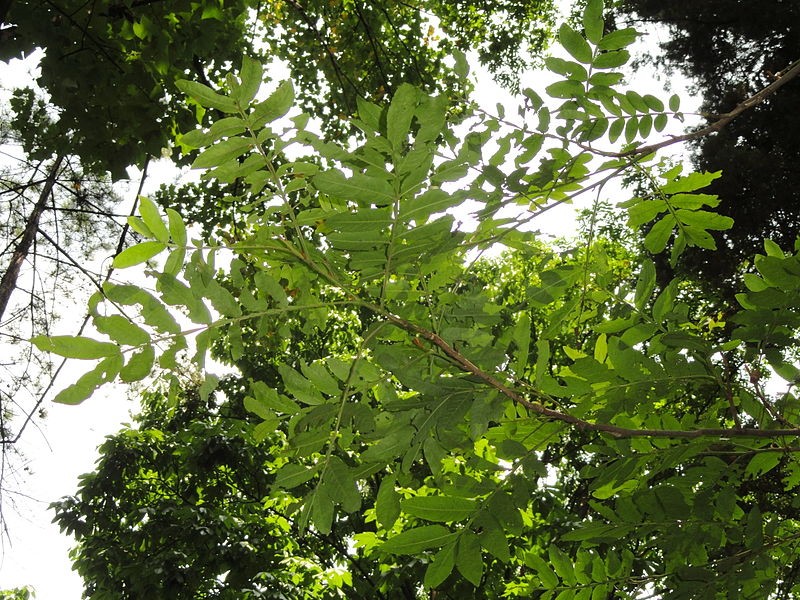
[[732, 49], [109, 68]]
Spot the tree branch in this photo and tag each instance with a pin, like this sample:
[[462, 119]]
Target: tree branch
[[9, 281], [781, 79], [537, 407]]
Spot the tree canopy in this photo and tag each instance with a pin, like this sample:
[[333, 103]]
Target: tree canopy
[[555, 424], [128, 55]]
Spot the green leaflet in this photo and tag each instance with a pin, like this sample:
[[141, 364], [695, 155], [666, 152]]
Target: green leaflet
[[645, 284], [121, 330], [618, 39], [469, 559], [152, 219], [340, 485], [292, 474], [269, 398], [387, 503], [222, 152], [138, 254], [417, 539], [177, 228], [205, 96], [251, 75], [493, 537], [400, 113], [575, 44], [274, 107], [88, 383], [79, 347], [177, 293], [546, 575], [611, 60], [301, 388], [658, 236], [439, 508], [567, 68], [562, 564], [259, 407], [139, 365], [593, 23], [153, 312], [364, 189], [441, 566], [762, 463]]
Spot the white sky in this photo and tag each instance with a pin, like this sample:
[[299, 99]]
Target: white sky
[[36, 553]]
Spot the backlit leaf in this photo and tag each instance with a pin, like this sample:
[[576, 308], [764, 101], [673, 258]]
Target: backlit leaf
[[573, 42], [138, 254], [88, 383], [439, 508], [205, 96], [79, 347]]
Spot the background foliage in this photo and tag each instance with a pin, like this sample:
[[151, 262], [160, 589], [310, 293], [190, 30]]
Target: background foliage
[[731, 50]]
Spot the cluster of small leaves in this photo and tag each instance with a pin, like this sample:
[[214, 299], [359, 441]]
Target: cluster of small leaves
[[458, 400], [678, 209], [593, 103]]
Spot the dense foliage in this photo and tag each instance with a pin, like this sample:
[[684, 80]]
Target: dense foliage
[[568, 429]]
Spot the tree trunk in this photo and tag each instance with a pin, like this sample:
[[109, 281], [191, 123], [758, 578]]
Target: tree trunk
[[9, 281], [4, 6]]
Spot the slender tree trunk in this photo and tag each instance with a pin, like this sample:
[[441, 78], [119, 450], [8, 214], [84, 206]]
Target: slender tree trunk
[[9, 281], [4, 6]]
